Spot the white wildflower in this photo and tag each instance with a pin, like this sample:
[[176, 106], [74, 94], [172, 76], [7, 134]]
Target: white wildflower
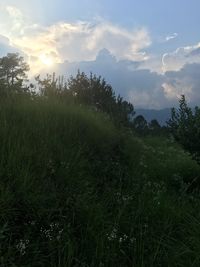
[[22, 245]]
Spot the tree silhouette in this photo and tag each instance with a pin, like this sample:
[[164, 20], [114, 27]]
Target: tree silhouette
[[95, 92], [140, 124], [13, 71], [184, 125], [154, 125]]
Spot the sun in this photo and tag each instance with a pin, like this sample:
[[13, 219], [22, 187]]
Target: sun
[[46, 60]]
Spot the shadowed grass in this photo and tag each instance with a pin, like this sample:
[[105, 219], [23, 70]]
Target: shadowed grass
[[77, 191]]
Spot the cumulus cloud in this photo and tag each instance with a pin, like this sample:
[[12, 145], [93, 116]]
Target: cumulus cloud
[[195, 51], [182, 72], [185, 81], [143, 87], [6, 47], [71, 41], [82, 41], [183, 55], [140, 86], [4, 40], [12, 20]]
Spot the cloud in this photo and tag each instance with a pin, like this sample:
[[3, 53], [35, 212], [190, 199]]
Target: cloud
[[185, 81], [6, 47], [143, 87], [195, 52], [181, 56], [4, 40], [171, 37], [12, 20], [182, 72], [140, 86], [14, 12], [82, 41], [76, 41]]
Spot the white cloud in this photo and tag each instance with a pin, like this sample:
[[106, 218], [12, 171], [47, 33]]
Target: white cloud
[[119, 41], [183, 55], [4, 40], [71, 41], [12, 20], [13, 12], [171, 37], [183, 82], [174, 89]]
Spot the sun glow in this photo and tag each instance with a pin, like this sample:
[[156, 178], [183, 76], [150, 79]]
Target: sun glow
[[46, 60]]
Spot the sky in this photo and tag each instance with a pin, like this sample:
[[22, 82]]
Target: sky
[[149, 51]]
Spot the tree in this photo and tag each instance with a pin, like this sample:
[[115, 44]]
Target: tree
[[154, 127], [13, 70], [50, 86], [184, 125], [95, 92], [125, 111], [86, 90], [140, 124]]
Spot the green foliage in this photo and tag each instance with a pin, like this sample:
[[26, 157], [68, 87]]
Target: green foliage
[[13, 72], [185, 127], [154, 125], [77, 191], [94, 91], [90, 91], [142, 128], [50, 86], [140, 125]]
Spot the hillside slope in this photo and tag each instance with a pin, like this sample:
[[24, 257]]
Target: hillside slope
[[77, 191]]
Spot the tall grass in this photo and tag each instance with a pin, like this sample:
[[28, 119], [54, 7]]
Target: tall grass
[[77, 191]]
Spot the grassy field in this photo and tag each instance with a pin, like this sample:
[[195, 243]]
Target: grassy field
[[77, 191]]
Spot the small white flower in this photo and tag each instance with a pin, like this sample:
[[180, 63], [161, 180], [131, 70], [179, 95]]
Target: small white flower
[[113, 235], [22, 245]]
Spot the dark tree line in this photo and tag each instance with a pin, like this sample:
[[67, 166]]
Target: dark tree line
[[144, 128]]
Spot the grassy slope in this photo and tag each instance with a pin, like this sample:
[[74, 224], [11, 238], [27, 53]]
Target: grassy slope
[[75, 191]]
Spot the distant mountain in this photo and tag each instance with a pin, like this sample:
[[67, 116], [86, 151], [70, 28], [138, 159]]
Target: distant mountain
[[160, 115]]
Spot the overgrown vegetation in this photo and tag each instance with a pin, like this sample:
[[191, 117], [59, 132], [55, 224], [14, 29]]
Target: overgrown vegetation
[[79, 188], [185, 127]]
